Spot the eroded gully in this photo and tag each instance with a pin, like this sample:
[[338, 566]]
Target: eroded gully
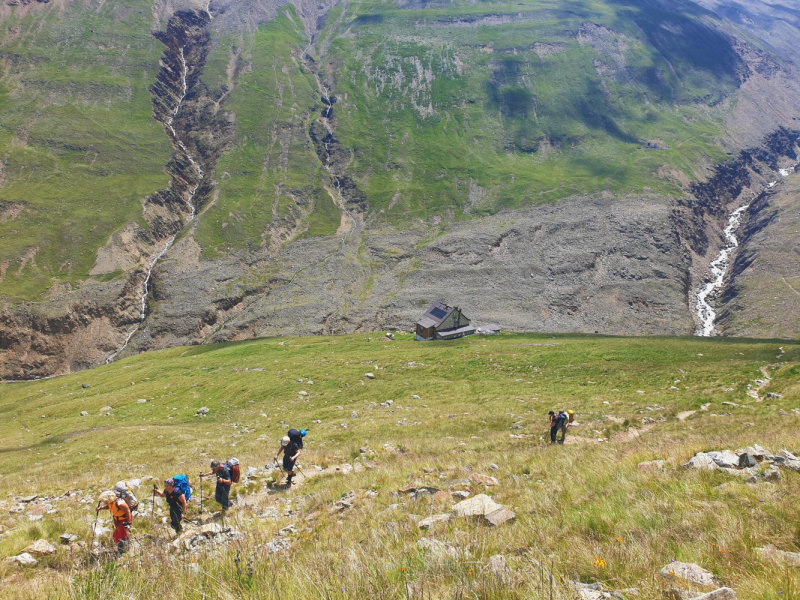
[[190, 200]]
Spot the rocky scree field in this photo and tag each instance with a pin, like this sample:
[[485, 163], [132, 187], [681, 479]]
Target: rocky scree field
[[235, 169], [645, 500]]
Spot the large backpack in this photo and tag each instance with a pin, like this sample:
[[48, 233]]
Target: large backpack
[[571, 414], [233, 467], [122, 490], [296, 437], [182, 484]]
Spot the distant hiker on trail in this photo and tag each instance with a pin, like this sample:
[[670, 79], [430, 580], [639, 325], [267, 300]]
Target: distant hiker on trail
[[223, 483], [553, 426], [291, 450], [121, 513], [176, 500], [563, 420]]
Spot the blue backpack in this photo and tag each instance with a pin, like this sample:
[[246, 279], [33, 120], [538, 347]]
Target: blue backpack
[[182, 483]]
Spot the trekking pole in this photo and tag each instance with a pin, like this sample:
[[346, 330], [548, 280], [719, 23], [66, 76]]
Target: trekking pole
[[94, 527], [153, 508], [201, 493]]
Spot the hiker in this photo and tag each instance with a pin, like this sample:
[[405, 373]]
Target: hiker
[[553, 426], [562, 421], [176, 502], [291, 450], [121, 513], [223, 483]]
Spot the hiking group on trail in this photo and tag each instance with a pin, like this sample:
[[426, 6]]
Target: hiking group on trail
[[121, 501]]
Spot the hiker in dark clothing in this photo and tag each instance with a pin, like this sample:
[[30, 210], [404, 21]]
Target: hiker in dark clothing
[[223, 483], [291, 450], [563, 423], [553, 426], [176, 501]]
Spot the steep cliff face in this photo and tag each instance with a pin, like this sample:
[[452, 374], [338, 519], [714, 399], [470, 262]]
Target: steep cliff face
[[336, 170]]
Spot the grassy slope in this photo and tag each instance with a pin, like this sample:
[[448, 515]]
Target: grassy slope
[[526, 128], [80, 146], [575, 502]]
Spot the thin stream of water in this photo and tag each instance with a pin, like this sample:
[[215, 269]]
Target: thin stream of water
[[706, 315]]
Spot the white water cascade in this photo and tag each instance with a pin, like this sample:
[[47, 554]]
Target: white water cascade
[[718, 267], [145, 293], [181, 145]]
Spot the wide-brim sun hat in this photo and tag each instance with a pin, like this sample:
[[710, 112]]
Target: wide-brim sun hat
[[107, 497], [285, 441]]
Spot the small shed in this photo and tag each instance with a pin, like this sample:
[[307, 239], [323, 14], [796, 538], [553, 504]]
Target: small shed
[[442, 322]]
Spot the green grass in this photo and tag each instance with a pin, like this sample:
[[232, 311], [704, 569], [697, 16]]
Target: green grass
[[574, 503], [81, 147]]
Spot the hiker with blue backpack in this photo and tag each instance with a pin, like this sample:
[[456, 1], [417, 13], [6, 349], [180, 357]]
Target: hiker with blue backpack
[[176, 493], [291, 444]]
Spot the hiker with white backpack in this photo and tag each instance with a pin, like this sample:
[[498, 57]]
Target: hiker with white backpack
[[563, 421], [176, 493], [123, 517]]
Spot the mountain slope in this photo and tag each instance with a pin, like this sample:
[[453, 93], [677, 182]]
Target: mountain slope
[[246, 168]]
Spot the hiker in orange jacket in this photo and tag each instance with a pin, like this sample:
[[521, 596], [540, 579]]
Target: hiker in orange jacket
[[123, 518]]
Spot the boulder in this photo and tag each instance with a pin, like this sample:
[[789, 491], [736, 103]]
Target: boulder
[[772, 475], [651, 465], [794, 465], [369, 375], [689, 572], [477, 506], [202, 412], [433, 520], [725, 459], [26, 498], [40, 548], [106, 409], [25, 560], [252, 471], [701, 460], [460, 495], [84, 413], [486, 480], [437, 548]]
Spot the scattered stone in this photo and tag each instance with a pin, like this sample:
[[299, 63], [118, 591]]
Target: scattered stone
[[497, 566], [433, 520], [437, 548], [705, 406], [354, 415], [689, 572], [369, 375], [303, 393], [773, 395], [722, 593], [773, 475], [25, 560], [202, 412], [84, 413], [85, 385], [500, 516], [40, 548], [415, 397], [68, 538], [486, 480], [493, 467], [651, 465], [725, 459], [792, 559], [701, 460], [26, 499], [106, 409], [252, 471], [477, 506], [460, 495]]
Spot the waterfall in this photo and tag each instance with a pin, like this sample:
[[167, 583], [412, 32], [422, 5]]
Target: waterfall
[[145, 293], [718, 267]]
